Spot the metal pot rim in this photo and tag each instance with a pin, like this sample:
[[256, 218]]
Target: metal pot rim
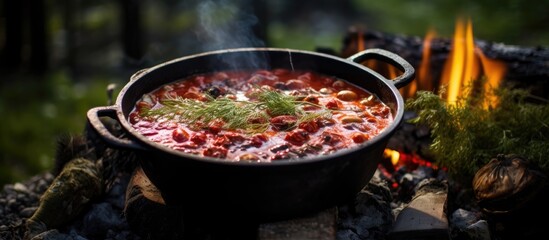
[[145, 144]]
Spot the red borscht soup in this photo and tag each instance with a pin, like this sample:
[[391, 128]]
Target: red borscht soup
[[260, 115]]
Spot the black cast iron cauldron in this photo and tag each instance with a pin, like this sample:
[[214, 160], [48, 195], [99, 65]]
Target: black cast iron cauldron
[[249, 190]]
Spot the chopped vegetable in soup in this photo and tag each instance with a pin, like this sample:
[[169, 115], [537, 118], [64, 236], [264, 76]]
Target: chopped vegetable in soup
[[262, 115]]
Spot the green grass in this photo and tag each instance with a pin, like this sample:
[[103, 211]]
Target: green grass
[[35, 112], [508, 21], [301, 37]]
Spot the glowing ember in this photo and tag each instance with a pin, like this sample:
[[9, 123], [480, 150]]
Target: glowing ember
[[409, 160], [393, 161], [392, 154]]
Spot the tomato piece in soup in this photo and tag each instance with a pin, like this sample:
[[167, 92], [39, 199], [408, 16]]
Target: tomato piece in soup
[[317, 114]]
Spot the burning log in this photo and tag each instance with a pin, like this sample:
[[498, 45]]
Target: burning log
[[527, 67]]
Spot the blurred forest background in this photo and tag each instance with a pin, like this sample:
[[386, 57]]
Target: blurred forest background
[[57, 57]]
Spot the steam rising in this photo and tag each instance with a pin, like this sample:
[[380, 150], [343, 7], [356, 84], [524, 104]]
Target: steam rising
[[224, 25]]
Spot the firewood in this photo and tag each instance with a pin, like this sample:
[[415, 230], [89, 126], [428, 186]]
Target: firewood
[[146, 212], [527, 66]]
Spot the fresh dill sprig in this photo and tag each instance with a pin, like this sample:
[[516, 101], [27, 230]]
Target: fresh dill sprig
[[278, 103], [249, 116]]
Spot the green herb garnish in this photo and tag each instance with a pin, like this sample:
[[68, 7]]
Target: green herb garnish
[[249, 116]]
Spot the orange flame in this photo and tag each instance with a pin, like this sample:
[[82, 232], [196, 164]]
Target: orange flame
[[460, 69], [424, 78], [466, 64], [385, 69], [462, 72], [360, 43], [392, 154], [494, 71], [410, 160]]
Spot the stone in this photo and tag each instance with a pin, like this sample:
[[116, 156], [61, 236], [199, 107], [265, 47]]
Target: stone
[[20, 187], [320, 226], [424, 217], [27, 212], [478, 231], [99, 219], [369, 216]]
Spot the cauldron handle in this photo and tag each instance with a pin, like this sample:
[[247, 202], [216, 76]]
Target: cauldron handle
[[395, 60], [94, 115], [138, 74]]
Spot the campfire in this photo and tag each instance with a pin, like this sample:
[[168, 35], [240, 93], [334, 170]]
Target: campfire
[[454, 68], [415, 192], [465, 65], [458, 70]]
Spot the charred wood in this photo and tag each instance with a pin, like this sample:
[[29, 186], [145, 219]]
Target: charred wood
[[527, 66]]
